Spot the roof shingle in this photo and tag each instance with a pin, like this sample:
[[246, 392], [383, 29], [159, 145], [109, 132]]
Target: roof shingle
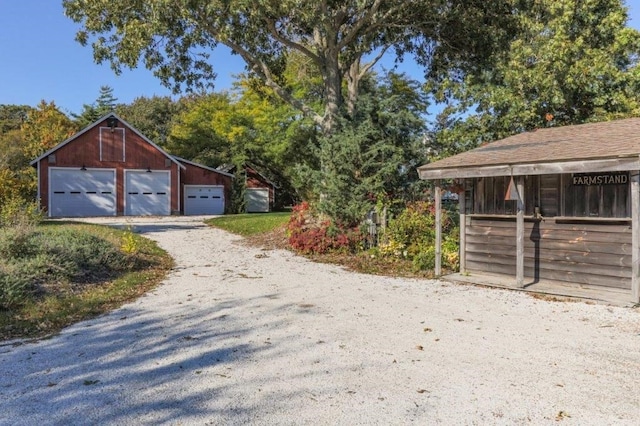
[[610, 139]]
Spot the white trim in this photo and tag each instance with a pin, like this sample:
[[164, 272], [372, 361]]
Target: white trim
[[202, 166], [224, 199], [204, 186], [38, 195], [179, 192], [124, 195]]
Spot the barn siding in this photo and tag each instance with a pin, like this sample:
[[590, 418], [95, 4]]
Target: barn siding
[[194, 175], [595, 254], [255, 180], [84, 150]]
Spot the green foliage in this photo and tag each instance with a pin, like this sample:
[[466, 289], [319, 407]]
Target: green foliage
[[411, 235], [31, 132], [14, 211], [34, 303], [575, 62], [333, 37], [326, 43], [104, 104], [31, 258], [12, 117], [373, 156], [153, 116], [45, 127]]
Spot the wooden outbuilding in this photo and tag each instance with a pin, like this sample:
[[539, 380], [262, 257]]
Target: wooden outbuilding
[[556, 210], [110, 169], [259, 192]]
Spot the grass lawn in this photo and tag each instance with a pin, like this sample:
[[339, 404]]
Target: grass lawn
[[251, 223], [72, 272]]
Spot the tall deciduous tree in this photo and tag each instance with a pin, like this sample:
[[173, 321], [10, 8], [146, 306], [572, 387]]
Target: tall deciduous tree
[[45, 127], [42, 128], [575, 62], [152, 116], [173, 39]]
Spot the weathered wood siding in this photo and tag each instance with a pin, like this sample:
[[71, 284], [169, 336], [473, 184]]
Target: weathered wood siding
[[594, 254]]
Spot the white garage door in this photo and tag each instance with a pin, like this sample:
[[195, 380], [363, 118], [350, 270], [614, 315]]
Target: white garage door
[[205, 200], [80, 193], [147, 193], [257, 200]]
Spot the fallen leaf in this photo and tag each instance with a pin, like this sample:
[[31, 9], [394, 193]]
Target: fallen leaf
[[420, 348]]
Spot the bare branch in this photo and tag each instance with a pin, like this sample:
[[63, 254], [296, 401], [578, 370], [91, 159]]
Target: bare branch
[[366, 68]]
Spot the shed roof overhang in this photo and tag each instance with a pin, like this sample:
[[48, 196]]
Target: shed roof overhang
[[431, 171], [582, 148]]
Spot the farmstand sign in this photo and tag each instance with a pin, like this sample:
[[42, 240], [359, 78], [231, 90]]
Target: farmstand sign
[[588, 179]]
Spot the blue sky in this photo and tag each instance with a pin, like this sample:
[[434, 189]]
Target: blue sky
[[39, 59]]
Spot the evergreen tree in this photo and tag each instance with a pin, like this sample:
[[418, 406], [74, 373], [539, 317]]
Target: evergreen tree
[[104, 104]]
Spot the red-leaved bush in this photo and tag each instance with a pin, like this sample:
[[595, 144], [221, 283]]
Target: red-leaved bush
[[308, 235]]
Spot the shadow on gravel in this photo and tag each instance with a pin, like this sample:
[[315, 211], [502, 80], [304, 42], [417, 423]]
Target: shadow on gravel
[[143, 367]]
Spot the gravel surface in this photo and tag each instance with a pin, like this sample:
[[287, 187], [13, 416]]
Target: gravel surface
[[237, 335]]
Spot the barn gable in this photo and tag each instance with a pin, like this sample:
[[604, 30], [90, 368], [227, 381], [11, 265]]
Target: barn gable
[[109, 168]]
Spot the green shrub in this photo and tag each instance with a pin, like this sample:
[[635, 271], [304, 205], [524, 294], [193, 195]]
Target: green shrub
[[17, 242], [31, 258], [83, 255], [424, 260], [411, 235], [17, 212], [15, 289]]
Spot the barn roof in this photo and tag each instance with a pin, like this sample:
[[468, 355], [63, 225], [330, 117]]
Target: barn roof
[[94, 124], [594, 147], [202, 166]]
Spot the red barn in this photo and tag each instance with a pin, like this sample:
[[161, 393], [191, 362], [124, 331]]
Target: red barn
[[111, 169]]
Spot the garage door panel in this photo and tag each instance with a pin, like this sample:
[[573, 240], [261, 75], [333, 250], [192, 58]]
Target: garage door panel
[[203, 200], [257, 200], [147, 193], [80, 193]]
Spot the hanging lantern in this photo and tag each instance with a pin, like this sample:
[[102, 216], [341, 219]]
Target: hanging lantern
[[512, 192]]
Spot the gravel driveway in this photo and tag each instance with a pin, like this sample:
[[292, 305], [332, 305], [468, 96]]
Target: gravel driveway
[[237, 335]]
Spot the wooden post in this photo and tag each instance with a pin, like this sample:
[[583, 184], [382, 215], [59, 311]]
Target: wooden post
[[520, 233], [438, 205], [635, 237], [463, 231]]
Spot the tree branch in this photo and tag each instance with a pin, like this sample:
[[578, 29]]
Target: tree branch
[[263, 70], [271, 24]]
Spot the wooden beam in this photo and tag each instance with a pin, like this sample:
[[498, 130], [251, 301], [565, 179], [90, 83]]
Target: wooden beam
[[463, 231], [635, 237], [438, 249], [586, 166], [520, 232]]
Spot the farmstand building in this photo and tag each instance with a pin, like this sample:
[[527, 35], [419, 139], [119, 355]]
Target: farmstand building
[[556, 211]]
